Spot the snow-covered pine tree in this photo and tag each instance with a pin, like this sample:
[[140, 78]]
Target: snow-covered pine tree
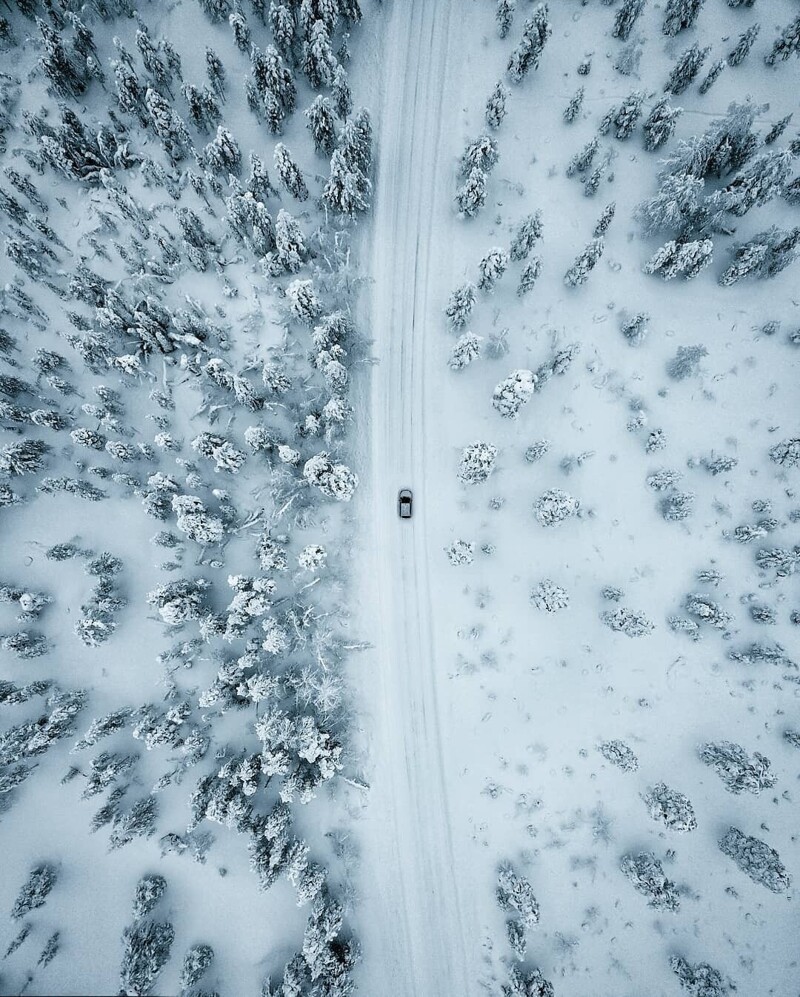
[[496, 105]]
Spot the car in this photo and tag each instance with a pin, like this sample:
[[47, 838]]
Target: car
[[404, 500]]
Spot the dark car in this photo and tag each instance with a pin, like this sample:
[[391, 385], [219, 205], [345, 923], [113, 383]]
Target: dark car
[[404, 500]]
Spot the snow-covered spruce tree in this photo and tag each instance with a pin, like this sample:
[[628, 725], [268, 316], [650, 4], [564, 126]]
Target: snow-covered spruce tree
[[514, 892], [341, 93], [318, 62], [222, 155], [685, 259], [659, 125], [764, 256], [619, 754], [146, 948], [482, 153], [712, 75], [625, 117], [738, 771], [513, 392], [554, 507], [787, 43], [625, 18], [477, 462], [168, 125], [526, 236], [216, 10], [686, 68], [471, 195], [459, 307], [631, 622], [572, 109], [289, 173], [496, 105], [700, 979], [686, 362], [583, 159], [347, 189], [786, 453], [335, 481], [24, 457], [491, 268], [504, 15], [529, 275], [756, 859], [197, 960], [34, 891], [322, 124], [741, 50], [680, 14], [535, 33], [149, 890], [646, 874], [584, 263], [527, 983], [290, 251], [670, 807], [605, 219], [466, 349]]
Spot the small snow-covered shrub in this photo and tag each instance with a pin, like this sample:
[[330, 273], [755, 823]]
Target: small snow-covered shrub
[[511, 393], [671, 807], [460, 552], [555, 506], [631, 622], [514, 892], [738, 771], [756, 859], [700, 979], [677, 506], [786, 453], [477, 462], [619, 754], [312, 557], [336, 481], [180, 600], [647, 875], [549, 597]]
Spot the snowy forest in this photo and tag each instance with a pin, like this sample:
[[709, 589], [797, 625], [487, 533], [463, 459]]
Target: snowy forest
[[266, 263]]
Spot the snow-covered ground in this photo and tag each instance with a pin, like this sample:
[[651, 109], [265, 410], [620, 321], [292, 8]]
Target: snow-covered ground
[[445, 682]]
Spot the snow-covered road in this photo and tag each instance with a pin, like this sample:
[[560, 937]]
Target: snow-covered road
[[412, 918]]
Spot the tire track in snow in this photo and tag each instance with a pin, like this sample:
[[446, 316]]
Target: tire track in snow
[[413, 935]]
